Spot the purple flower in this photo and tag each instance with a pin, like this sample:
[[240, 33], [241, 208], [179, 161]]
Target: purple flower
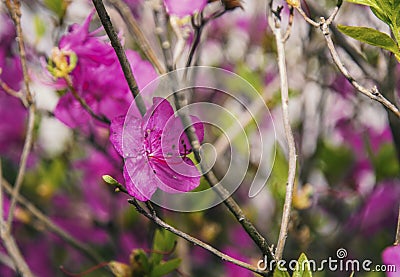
[[154, 148], [182, 8], [86, 45], [97, 76], [391, 256], [378, 211]]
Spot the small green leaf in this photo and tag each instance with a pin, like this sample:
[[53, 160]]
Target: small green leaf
[[303, 267], [110, 180], [40, 27], [382, 15], [371, 36], [59, 7], [370, 3], [280, 273], [163, 242], [164, 268]]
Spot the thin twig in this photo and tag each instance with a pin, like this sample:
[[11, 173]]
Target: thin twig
[[306, 18], [160, 21], [290, 25], [13, 251], [22, 165], [14, 8], [288, 133], [137, 33], [397, 240], [83, 102], [334, 13], [6, 260], [12, 92], [153, 217], [372, 93], [119, 50], [52, 227], [350, 49]]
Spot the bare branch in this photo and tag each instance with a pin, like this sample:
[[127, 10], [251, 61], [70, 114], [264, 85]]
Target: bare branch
[[160, 21], [12, 92], [13, 251], [14, 8], [22, 165], [153, 217], [290, 25], [280, 45], [306, 18], [372, 93]]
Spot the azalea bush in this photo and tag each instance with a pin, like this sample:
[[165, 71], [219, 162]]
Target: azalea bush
[[199, 138]]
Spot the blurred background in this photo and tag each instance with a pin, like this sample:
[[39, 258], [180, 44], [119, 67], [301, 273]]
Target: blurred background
[[347, 186]]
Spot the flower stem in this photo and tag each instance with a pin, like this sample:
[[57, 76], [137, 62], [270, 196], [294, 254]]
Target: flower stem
[[280, 45]]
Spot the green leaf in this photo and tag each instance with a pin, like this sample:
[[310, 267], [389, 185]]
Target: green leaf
[[303, 267], [370, 3], [372, 37], [164, 268], [382, 15], [280, 273], [164, 242], [40, 27], [59, 7]]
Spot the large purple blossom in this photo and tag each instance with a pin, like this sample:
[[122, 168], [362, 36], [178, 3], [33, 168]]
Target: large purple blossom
[[155, 149], [97, 77]]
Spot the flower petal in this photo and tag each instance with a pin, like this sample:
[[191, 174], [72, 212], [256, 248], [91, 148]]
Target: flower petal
[[70, 112], [157, 115], [171, 180], [139, 177], [175, 135], [126, 136]]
